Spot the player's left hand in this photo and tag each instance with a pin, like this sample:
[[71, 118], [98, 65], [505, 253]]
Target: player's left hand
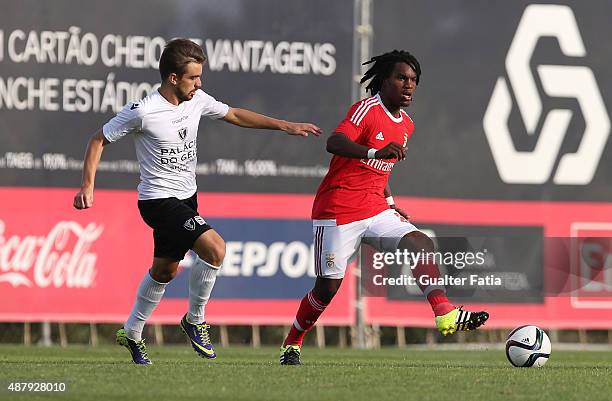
[[302, 129], [401, 212]]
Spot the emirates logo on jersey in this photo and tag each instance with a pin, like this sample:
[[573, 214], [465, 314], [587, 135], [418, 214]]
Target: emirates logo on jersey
[[182, 133], [380, 165]]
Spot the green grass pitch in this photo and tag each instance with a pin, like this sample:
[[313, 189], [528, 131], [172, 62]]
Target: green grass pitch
[[241, 373]]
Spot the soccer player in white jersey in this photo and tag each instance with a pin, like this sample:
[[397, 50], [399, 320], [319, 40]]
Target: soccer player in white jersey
[[354, 202], [164, 126]]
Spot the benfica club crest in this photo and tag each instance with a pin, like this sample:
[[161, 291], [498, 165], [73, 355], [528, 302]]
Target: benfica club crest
[[182, 133], [329, 259]]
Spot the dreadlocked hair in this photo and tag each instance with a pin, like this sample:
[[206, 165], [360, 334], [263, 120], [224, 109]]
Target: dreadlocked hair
[[383, 67]]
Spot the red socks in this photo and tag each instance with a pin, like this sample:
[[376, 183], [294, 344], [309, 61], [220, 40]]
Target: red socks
[[439, 302], [309, 311], [436, 296]]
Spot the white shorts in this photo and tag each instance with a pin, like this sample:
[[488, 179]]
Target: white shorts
[[335, 244]]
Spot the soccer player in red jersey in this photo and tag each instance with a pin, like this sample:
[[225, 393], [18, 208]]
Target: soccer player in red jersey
[[354, 201]]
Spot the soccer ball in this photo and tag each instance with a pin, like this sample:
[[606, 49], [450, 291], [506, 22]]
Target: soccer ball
[[528, 346]]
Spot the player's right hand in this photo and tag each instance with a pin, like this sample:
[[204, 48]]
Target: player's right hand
[[302, 129], [401, 212], [83, 199], [393, 150]]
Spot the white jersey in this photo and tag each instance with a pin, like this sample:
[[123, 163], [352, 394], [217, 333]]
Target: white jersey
[[166, 141]]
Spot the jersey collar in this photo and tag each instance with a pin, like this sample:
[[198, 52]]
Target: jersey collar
[[165, 101], [394, 119]]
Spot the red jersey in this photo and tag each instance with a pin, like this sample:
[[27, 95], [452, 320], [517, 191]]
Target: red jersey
[[353, 189]]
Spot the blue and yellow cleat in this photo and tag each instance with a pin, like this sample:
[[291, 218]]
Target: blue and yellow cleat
[[290, 355], [460, 320], [199, 337], [138, 349]]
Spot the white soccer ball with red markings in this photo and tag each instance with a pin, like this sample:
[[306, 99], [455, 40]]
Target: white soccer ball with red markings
[[528, 347]]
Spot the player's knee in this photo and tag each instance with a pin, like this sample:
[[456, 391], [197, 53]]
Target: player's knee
[[212, 251], [163, 277], [325, 289], [326, 295], [163, 273], [217, 253], [417, 241]]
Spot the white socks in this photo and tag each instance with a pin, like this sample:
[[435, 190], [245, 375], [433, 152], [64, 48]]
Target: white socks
[[149, 294], [201, 283]]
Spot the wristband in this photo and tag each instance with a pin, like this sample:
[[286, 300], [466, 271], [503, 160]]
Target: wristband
[[372, 153], [390, 201]]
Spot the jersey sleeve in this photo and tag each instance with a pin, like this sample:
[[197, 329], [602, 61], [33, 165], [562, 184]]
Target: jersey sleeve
[[125, 122], [353, 124], [211, 107]]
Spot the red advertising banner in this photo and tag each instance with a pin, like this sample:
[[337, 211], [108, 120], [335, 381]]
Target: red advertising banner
[[60, 264]]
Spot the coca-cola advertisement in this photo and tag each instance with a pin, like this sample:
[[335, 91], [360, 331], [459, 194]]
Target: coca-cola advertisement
[[56, 263], [60, 258]]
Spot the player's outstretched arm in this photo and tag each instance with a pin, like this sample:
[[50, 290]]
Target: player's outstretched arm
[[341, 145], [249, 119], [84, 198]]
